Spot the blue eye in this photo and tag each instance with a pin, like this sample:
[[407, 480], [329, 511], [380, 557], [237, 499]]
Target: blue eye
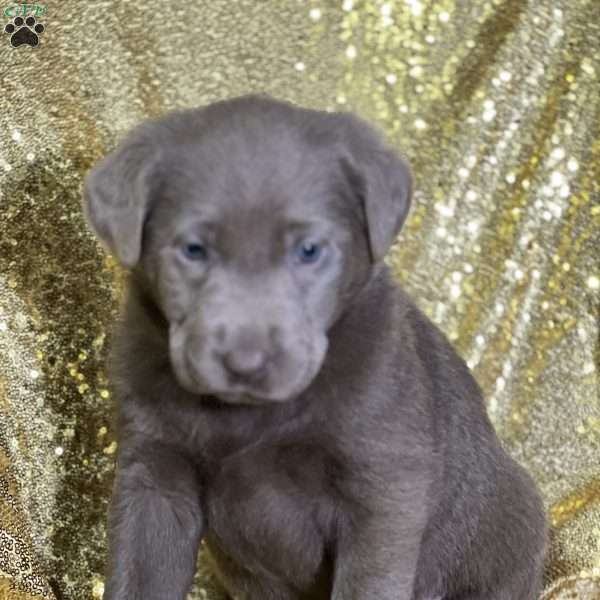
[[195, 251], [309, 252]]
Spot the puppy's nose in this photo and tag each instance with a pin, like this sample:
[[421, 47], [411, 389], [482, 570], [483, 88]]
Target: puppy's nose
[[245, 362]]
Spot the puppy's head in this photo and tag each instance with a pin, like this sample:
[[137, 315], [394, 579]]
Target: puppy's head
[[255, 223]]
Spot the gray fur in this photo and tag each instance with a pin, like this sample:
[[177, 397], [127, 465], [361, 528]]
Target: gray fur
[[306, 420]]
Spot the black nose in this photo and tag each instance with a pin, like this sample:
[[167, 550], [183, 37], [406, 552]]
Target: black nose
[[247, 363]]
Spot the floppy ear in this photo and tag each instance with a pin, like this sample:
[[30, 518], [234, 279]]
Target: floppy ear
[[116, 197], [382, 180]]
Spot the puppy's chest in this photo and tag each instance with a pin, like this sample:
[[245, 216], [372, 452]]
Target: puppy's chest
[[270, 511]]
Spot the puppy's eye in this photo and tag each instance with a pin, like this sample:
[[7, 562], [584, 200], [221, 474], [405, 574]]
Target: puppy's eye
[[195, 251], [309, 252]]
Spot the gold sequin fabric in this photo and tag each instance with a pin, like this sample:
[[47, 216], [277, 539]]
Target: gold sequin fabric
[[496, 103]]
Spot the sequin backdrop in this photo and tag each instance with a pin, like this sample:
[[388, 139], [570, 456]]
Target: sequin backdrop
[[496, 104]]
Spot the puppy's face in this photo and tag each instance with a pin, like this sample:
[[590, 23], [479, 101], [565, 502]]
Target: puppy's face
[[254, 228], [252, 257]]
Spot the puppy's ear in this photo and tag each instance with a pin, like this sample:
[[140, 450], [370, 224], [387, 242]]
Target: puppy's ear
[[382, 180], [116, 197]]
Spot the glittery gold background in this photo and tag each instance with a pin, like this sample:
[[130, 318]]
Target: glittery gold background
[[497, 105]]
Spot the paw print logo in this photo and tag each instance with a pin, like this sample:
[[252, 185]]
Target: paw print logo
[[24, 31]]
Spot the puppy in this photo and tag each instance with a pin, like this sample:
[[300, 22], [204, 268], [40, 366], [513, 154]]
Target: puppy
[[279, 396]]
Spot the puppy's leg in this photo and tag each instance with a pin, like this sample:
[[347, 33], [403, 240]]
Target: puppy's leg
[[511, 551], [378, 559], [522, 586], [155, 524]]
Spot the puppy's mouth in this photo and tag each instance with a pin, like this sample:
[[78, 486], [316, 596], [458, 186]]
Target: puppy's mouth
[[247, 398], [246, 394]]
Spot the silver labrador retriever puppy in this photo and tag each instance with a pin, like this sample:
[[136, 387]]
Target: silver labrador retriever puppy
[[279, 396]]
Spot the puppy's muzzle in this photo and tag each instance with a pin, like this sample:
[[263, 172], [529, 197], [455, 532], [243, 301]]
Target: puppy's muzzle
[[251, 356]]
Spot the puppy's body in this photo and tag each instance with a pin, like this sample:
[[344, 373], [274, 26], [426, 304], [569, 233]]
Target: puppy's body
[[370, 472]]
